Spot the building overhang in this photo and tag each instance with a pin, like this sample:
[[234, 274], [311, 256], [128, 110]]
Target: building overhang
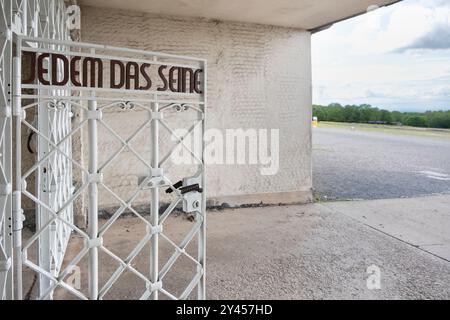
[[312, 15]]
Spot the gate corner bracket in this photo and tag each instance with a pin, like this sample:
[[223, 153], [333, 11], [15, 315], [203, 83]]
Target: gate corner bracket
[[95, 178], [154, 286], [152, 230], [94, 114], [93, 243], [156, 115]]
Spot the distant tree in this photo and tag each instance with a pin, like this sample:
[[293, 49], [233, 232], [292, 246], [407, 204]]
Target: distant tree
[[368, 113], [397, 116], [352, 114], [385, 116], [335, 105], [439, 119], [364, 113], [416, 121], [320, 113], [335, 112]]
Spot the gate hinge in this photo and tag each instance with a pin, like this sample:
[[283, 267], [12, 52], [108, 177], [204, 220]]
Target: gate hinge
[[94, 114], [17, 220], [17, 213], [93, 243]]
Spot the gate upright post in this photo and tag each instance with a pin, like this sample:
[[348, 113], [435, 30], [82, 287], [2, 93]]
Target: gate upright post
[[93, 199], [154, 210], [201, 293], [6, 288], [17, 216]]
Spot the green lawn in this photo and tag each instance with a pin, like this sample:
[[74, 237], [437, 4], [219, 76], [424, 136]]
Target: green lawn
[[397, 130]]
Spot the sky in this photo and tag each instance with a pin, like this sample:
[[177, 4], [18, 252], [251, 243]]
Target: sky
[[396, 58]]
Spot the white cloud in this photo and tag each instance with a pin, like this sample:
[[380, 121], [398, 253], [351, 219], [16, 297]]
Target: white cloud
[[396, 56]]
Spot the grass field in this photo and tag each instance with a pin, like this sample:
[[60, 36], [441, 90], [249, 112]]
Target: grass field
[[395, 130]]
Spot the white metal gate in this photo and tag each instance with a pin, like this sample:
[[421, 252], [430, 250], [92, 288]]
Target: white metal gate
[[5, 150], [37, 18], [53, 180]]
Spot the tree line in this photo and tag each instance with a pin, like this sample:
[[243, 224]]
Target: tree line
[[367, 114]]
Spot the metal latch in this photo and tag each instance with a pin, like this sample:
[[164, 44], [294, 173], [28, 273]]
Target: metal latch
[[185, 189], [191, 191]]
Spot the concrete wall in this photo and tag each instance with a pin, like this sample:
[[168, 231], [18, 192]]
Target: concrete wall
[[258, 77]]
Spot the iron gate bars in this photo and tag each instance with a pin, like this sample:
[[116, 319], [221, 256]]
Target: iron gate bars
[[53, 168], [38, 18], [6, 291]]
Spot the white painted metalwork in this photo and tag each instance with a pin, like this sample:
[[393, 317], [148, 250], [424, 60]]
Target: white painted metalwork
[[47, 19], [46, 112], [55, 195], [6, 287]]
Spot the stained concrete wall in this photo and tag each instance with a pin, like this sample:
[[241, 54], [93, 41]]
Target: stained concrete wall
[[258, 77]]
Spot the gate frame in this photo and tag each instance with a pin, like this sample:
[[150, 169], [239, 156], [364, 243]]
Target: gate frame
[[6, 241], [92, 232], [38, 18]]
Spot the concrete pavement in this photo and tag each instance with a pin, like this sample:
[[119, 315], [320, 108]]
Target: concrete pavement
[[421, 222], [315, 251]]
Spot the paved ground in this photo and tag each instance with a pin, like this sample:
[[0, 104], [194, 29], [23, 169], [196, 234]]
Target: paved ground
[[422, 222], [317, 251], [379, 163]]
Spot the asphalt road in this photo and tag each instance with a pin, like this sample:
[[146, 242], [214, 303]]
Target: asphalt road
[[360, 164]]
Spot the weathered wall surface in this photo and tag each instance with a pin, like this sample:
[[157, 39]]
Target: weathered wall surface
[[258, 77]]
